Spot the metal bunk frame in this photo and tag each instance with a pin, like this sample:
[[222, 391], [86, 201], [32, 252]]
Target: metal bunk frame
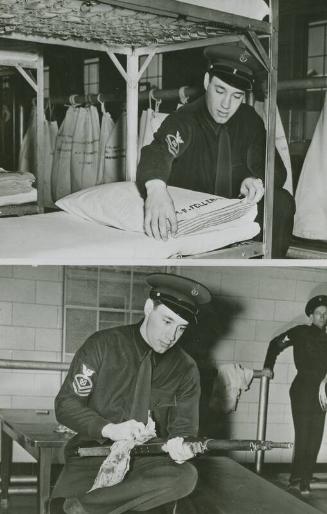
[[245, 29]]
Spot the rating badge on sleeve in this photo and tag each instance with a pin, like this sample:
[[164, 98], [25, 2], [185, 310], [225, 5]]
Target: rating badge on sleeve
[[82, 382]]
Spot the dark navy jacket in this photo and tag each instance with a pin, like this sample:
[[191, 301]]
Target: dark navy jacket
[[100, 384], [185, 149]]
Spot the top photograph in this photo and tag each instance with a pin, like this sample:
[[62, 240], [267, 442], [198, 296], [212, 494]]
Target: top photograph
[[158, 130]]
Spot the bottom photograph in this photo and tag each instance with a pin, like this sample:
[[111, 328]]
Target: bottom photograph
[[166, 390]]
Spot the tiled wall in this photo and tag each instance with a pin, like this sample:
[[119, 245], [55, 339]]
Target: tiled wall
[[31, 301], [269, 301], [265, 302]]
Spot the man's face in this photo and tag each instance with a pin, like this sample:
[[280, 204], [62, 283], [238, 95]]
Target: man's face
[[319, 317], [162, 327], [222, 99]]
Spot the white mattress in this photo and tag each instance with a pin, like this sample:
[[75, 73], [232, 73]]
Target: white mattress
[[59, 238]]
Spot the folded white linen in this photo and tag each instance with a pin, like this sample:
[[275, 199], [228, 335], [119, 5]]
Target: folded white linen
[[120, 205], [19, 198]]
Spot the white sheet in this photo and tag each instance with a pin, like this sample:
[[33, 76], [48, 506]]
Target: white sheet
[[58, 238]]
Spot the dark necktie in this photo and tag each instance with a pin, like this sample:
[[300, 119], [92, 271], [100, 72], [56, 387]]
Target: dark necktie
[[223, 182], [142, 393]]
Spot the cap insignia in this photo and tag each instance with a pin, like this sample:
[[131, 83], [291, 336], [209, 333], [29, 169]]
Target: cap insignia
[[244, 57], [195, 291]]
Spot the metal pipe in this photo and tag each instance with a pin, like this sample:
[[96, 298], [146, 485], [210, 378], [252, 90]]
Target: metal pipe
[[22, 490], [306, 83], [259, 373], [190, 91], [319, 485], [42, 365], [23, 479], [262, 419], [64, 366]]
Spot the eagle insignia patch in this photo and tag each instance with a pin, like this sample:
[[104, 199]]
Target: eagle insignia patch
[[82, 383], [173, 143]]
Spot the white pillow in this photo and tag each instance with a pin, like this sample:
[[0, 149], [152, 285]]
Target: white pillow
[[120, 205]]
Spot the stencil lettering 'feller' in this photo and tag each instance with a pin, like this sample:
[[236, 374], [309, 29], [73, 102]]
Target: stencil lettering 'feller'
[[82, 382], [173, 143], [197, 205]]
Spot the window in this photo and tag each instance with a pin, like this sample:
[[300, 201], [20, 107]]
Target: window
[[153, 74], [96, 298], [317, 48], [316, 66], [91, 76]]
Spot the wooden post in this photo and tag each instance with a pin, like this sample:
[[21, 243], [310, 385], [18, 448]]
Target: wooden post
[[132, 116], [271, 131], [39, 133]]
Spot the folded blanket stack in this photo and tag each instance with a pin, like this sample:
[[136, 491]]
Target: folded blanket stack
[[199, 217], [15, 182]]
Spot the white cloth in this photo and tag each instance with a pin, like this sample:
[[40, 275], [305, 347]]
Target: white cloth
[[120, 205], [310, 221], [231, 380], [281, 142], [18, 198], [115, 466], [149, 124], [85, 149], [59, 237], [115, 151], [49, 142], [28, 152], [107, 126], [15, 182], [60, 174]]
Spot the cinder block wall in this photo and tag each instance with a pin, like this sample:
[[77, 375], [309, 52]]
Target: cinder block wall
[[270, 300], [31, 300]]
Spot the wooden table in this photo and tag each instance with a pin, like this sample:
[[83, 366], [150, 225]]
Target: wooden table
[[35, 431]]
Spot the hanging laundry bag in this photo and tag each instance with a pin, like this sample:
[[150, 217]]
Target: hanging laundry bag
[[149, 124], [107, 126], [60, 174], [27, 160], [310, 220], [280, 141], [115, 152], [85, 149], [49, 142]]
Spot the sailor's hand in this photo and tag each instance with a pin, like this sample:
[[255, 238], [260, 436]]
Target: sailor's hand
[[252, 189], [130, 429], [322, 395], [160, 217], [178, 450]]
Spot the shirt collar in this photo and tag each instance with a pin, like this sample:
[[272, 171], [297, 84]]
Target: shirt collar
[[208, 119], [141, 345]]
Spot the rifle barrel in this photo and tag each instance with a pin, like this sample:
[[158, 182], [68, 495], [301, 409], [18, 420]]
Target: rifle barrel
[[198, 446]]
